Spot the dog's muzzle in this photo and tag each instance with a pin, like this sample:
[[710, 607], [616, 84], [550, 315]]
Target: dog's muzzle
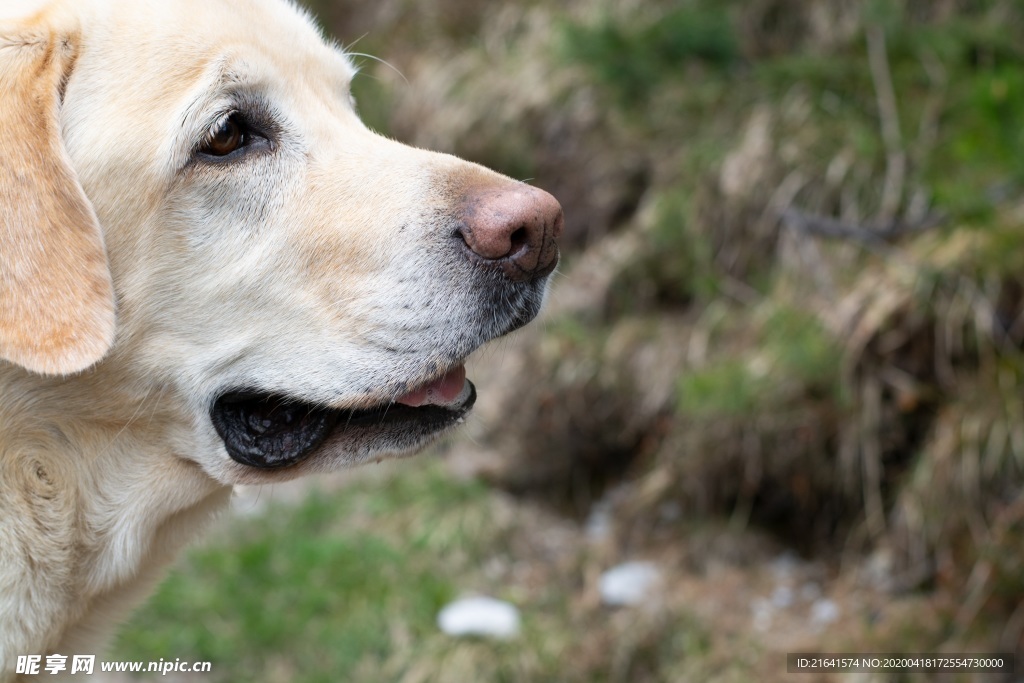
[[272, 431]]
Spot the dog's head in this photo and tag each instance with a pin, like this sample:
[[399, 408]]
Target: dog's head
[[307, 289]]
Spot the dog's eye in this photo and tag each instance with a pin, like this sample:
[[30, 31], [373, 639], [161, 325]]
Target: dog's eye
[[229, 135]]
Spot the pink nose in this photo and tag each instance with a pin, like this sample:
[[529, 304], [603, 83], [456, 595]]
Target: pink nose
[[513, 228]]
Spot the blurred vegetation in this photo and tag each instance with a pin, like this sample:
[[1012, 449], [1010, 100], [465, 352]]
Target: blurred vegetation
[[792, 299], [348, 587], [317, 602], [634, 59]]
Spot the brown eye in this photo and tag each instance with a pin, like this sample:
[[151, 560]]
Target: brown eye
[[226, 137]]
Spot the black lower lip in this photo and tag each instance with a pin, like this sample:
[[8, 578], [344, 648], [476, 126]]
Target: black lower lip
[[272, 431]]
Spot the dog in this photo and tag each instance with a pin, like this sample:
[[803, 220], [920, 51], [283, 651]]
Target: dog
[[211, 274]]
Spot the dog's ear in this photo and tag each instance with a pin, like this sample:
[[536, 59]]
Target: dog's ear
[[56, 296]]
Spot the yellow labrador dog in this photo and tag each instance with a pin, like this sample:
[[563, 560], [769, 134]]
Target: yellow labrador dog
[[211, 273]]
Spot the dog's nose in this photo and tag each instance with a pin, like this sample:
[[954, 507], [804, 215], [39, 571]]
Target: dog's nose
[[513, 228]]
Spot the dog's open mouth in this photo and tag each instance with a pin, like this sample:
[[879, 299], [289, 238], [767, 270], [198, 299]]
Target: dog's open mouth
[[271, 431]]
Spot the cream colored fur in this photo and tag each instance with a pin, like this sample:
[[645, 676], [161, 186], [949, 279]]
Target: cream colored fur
[[292, 270]]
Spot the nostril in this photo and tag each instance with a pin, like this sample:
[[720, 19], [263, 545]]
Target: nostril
[[519, 239], [494, 247]]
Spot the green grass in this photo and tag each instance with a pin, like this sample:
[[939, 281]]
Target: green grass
[[310, 589], [346, 586], [634, 58], [792, 359]]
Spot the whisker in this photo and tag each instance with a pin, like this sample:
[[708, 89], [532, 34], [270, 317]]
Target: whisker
[[382, 61]]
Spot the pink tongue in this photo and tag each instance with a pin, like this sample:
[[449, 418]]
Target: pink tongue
[[439, 392]]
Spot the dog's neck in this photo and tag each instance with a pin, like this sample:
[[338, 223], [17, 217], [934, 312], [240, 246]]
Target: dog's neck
[[93, 505]]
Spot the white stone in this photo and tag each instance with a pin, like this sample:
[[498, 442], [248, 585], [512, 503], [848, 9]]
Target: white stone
[[598, 526], [479, 616], [629, 584], [824, 612], [785, 566], [783, 597]]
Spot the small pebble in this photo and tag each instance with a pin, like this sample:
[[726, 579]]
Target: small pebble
[[824, 612], [785, 565], [479, 616], [598, 526], [783, 597], [629, 584]]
